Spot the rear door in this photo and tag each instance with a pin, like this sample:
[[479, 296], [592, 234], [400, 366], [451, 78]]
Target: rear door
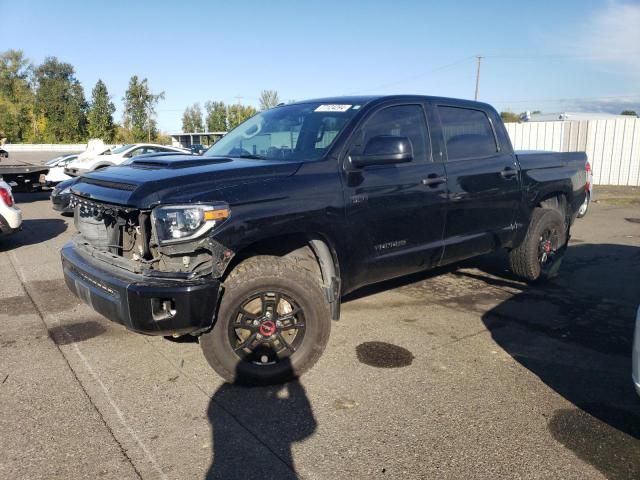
[[483, 183], [395, 212]]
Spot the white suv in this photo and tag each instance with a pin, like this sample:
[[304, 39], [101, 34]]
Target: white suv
[[117, 156], [10, 215]]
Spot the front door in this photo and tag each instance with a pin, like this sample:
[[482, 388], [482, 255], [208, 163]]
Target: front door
[[395, 212]]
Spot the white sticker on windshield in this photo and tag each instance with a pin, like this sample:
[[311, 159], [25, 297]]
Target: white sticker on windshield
[[332, 108]]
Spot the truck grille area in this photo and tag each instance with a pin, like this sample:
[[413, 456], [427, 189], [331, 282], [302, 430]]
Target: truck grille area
[[108, 228]]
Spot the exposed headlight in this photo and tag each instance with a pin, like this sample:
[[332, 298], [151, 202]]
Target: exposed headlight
[[177, 223], [64, 191]]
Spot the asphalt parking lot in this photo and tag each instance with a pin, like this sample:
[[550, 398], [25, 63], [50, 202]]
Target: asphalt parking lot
[[463, 372]]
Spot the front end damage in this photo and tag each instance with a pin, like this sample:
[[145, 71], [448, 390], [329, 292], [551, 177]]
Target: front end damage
[[117, 265]]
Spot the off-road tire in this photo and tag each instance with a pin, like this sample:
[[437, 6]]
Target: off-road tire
[[265, 273], [523, 260]]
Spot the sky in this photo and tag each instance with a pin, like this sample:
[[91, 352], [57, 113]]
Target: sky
[[544, 55]]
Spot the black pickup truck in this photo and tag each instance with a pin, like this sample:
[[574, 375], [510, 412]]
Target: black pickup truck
[[251, 246]]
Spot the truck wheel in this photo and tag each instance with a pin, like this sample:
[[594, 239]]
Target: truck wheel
[[272, 325], [535, 257]]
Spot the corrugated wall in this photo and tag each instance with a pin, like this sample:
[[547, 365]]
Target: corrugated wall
[[613, 146]]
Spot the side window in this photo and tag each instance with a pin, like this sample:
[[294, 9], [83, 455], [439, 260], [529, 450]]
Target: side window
[[403, 120], [467, 133], [136, 152]]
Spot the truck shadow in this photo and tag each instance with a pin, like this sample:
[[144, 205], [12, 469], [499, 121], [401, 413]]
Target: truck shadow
[[254, 428], [575, 335], [34, 231]]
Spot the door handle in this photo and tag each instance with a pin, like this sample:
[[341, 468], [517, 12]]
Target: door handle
[[508, 172], [433, 180]]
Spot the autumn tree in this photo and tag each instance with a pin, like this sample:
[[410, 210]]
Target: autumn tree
[[192, 119], [16, 96], [140, 109], [237, 113], [268, 99], [100, 117]]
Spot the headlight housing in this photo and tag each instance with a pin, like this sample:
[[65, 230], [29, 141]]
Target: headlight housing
[[179, 223], [64, 191]]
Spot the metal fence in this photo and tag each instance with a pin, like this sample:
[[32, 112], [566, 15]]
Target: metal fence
[[612, 146], [45, 147]]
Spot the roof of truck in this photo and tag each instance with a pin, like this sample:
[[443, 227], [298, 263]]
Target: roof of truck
[[365, 99]]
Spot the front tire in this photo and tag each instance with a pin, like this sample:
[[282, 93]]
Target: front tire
[[272, 325], [537, 257]]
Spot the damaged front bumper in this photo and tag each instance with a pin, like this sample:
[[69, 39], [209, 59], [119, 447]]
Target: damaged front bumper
[[149, 304]]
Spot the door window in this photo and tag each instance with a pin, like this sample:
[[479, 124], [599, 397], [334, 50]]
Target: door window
[[467, 133], [402, 120]]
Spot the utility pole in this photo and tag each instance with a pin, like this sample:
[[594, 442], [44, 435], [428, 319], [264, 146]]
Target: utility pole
[[477, 76]]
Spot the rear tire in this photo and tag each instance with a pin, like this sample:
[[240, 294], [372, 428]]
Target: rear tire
[[245, 345], [535, 258]]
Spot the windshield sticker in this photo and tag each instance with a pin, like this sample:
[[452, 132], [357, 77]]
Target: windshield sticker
[[332, 108]]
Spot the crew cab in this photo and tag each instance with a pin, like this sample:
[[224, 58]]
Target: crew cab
[[251, 246]]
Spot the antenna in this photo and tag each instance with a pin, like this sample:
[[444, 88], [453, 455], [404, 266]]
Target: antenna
[[479, 57]]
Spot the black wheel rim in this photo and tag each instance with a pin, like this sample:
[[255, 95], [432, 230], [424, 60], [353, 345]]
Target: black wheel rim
[[266, 328], [548, 246]]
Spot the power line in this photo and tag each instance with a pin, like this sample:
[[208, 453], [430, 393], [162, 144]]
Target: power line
[[414, 77]]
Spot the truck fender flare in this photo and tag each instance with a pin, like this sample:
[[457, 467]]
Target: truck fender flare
[[330, 274]]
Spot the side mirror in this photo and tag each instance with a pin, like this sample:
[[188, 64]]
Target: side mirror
[[384, 150]]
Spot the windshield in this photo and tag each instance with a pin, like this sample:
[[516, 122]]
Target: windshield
[[291, 132], [122, 148]]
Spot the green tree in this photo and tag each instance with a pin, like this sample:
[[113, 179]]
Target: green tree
[[509, 117], [268, 99], [236, 114], [100, 115], [631, 113], [16, 96], [139, 109], [216, 116], [59, 103], [192, 119]]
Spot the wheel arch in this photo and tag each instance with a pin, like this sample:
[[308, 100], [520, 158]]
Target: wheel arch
[[312, 251]]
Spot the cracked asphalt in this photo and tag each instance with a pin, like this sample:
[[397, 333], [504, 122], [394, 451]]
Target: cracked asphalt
[[459, 372]]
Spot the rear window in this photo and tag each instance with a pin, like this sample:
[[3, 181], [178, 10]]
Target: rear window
[[467, 133]]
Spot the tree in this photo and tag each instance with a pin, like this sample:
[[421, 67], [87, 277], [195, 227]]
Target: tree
[[216, 116], [60, 102], [16, 96], [236, 114], [509, 117], [140, 108], [192, 119], [631, 113], [100, 117], [268, 99]]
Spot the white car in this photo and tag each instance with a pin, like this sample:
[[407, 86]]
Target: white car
[[117, 156], [56, 169], [635, 355], [10, 215]]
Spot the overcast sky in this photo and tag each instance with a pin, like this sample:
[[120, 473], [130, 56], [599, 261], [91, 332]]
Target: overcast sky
[[543, 55]]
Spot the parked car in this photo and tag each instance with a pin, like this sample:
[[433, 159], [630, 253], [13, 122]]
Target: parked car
[[197, 148], [3, 153], [582, 211], [635, 356], [116, 157], [251, 246], [10, 214], [56, 169], [61, 195]]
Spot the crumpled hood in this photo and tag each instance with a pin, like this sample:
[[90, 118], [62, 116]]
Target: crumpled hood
[[176, 179]]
